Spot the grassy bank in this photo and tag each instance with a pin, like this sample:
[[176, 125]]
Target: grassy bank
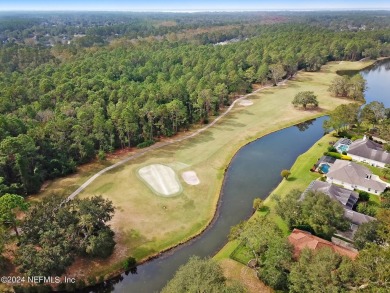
[[146, 224], [300, 178]]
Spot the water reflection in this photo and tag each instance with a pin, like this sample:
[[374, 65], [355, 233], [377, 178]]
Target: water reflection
[[304, 125]]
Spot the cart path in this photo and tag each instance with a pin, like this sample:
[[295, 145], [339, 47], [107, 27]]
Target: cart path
[[163, 144]]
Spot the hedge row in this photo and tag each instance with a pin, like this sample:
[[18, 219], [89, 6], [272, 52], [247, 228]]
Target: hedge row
[[338, 156]]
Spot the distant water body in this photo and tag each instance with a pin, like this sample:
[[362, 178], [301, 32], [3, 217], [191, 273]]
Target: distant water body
[[378, 82]]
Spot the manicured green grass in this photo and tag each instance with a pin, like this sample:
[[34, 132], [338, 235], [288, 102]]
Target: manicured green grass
[[242, 254], [227, 250], [374, 200], [301, 176], [280, 223], [146, 224]]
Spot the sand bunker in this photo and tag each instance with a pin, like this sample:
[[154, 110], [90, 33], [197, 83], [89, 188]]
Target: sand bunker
[[245, 103], [162, 179], [190, 177]]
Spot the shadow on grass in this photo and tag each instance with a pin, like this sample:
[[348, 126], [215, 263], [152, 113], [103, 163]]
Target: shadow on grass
[[263, 211], [246, 112], [292, 85], [292, 178], [303, 79], [233, 124]]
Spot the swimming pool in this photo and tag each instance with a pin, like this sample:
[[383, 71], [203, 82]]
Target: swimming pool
[[324, 168], [342, 148]]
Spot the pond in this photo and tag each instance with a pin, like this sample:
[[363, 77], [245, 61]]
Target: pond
[[378, 82]]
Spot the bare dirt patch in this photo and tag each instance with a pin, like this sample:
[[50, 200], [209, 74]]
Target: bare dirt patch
[[245, 103]]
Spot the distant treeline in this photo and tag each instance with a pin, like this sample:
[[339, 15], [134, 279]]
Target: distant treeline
[[61, 107]]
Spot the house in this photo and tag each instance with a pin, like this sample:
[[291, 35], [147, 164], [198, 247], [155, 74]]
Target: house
[[354, 176], [357, 219], [368, 151], [302, 239], [348, 198]]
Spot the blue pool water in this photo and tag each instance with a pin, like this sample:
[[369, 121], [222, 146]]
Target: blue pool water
[[324, 168], [342, 148]]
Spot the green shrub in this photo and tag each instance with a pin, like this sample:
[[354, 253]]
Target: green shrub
[[258, 204], [129, 263], [101, 155], [333, 155], [338, 156], [364, 196], [145, 144], [344, 153], [332, 149], [366, 209], [344, 134], [304, 227]]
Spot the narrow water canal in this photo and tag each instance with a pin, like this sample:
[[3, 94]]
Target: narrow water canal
[[253, 172]]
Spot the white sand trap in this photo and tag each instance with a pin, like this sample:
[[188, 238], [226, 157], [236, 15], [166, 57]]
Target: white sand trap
[[190, 177], [245, 103], [162, 179]]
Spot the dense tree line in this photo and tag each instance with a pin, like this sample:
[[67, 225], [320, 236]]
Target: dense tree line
[[201, 275], [55, 231], [21, 27], [62, 113], [353, 120]]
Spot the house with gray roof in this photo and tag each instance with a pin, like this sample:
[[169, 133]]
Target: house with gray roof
[[368, 151], [357, 218], [348, 198], [352, 176]]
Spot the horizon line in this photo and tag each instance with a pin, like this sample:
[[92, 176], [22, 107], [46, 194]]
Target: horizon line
[[197, 10]]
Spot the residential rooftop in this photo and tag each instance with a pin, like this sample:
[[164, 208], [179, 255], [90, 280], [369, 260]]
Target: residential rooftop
[[302, 239], [346, 197], [354, 174], [357, 218], [369, 149]]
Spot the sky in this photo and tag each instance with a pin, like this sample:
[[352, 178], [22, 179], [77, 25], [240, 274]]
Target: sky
[[194, 5]]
